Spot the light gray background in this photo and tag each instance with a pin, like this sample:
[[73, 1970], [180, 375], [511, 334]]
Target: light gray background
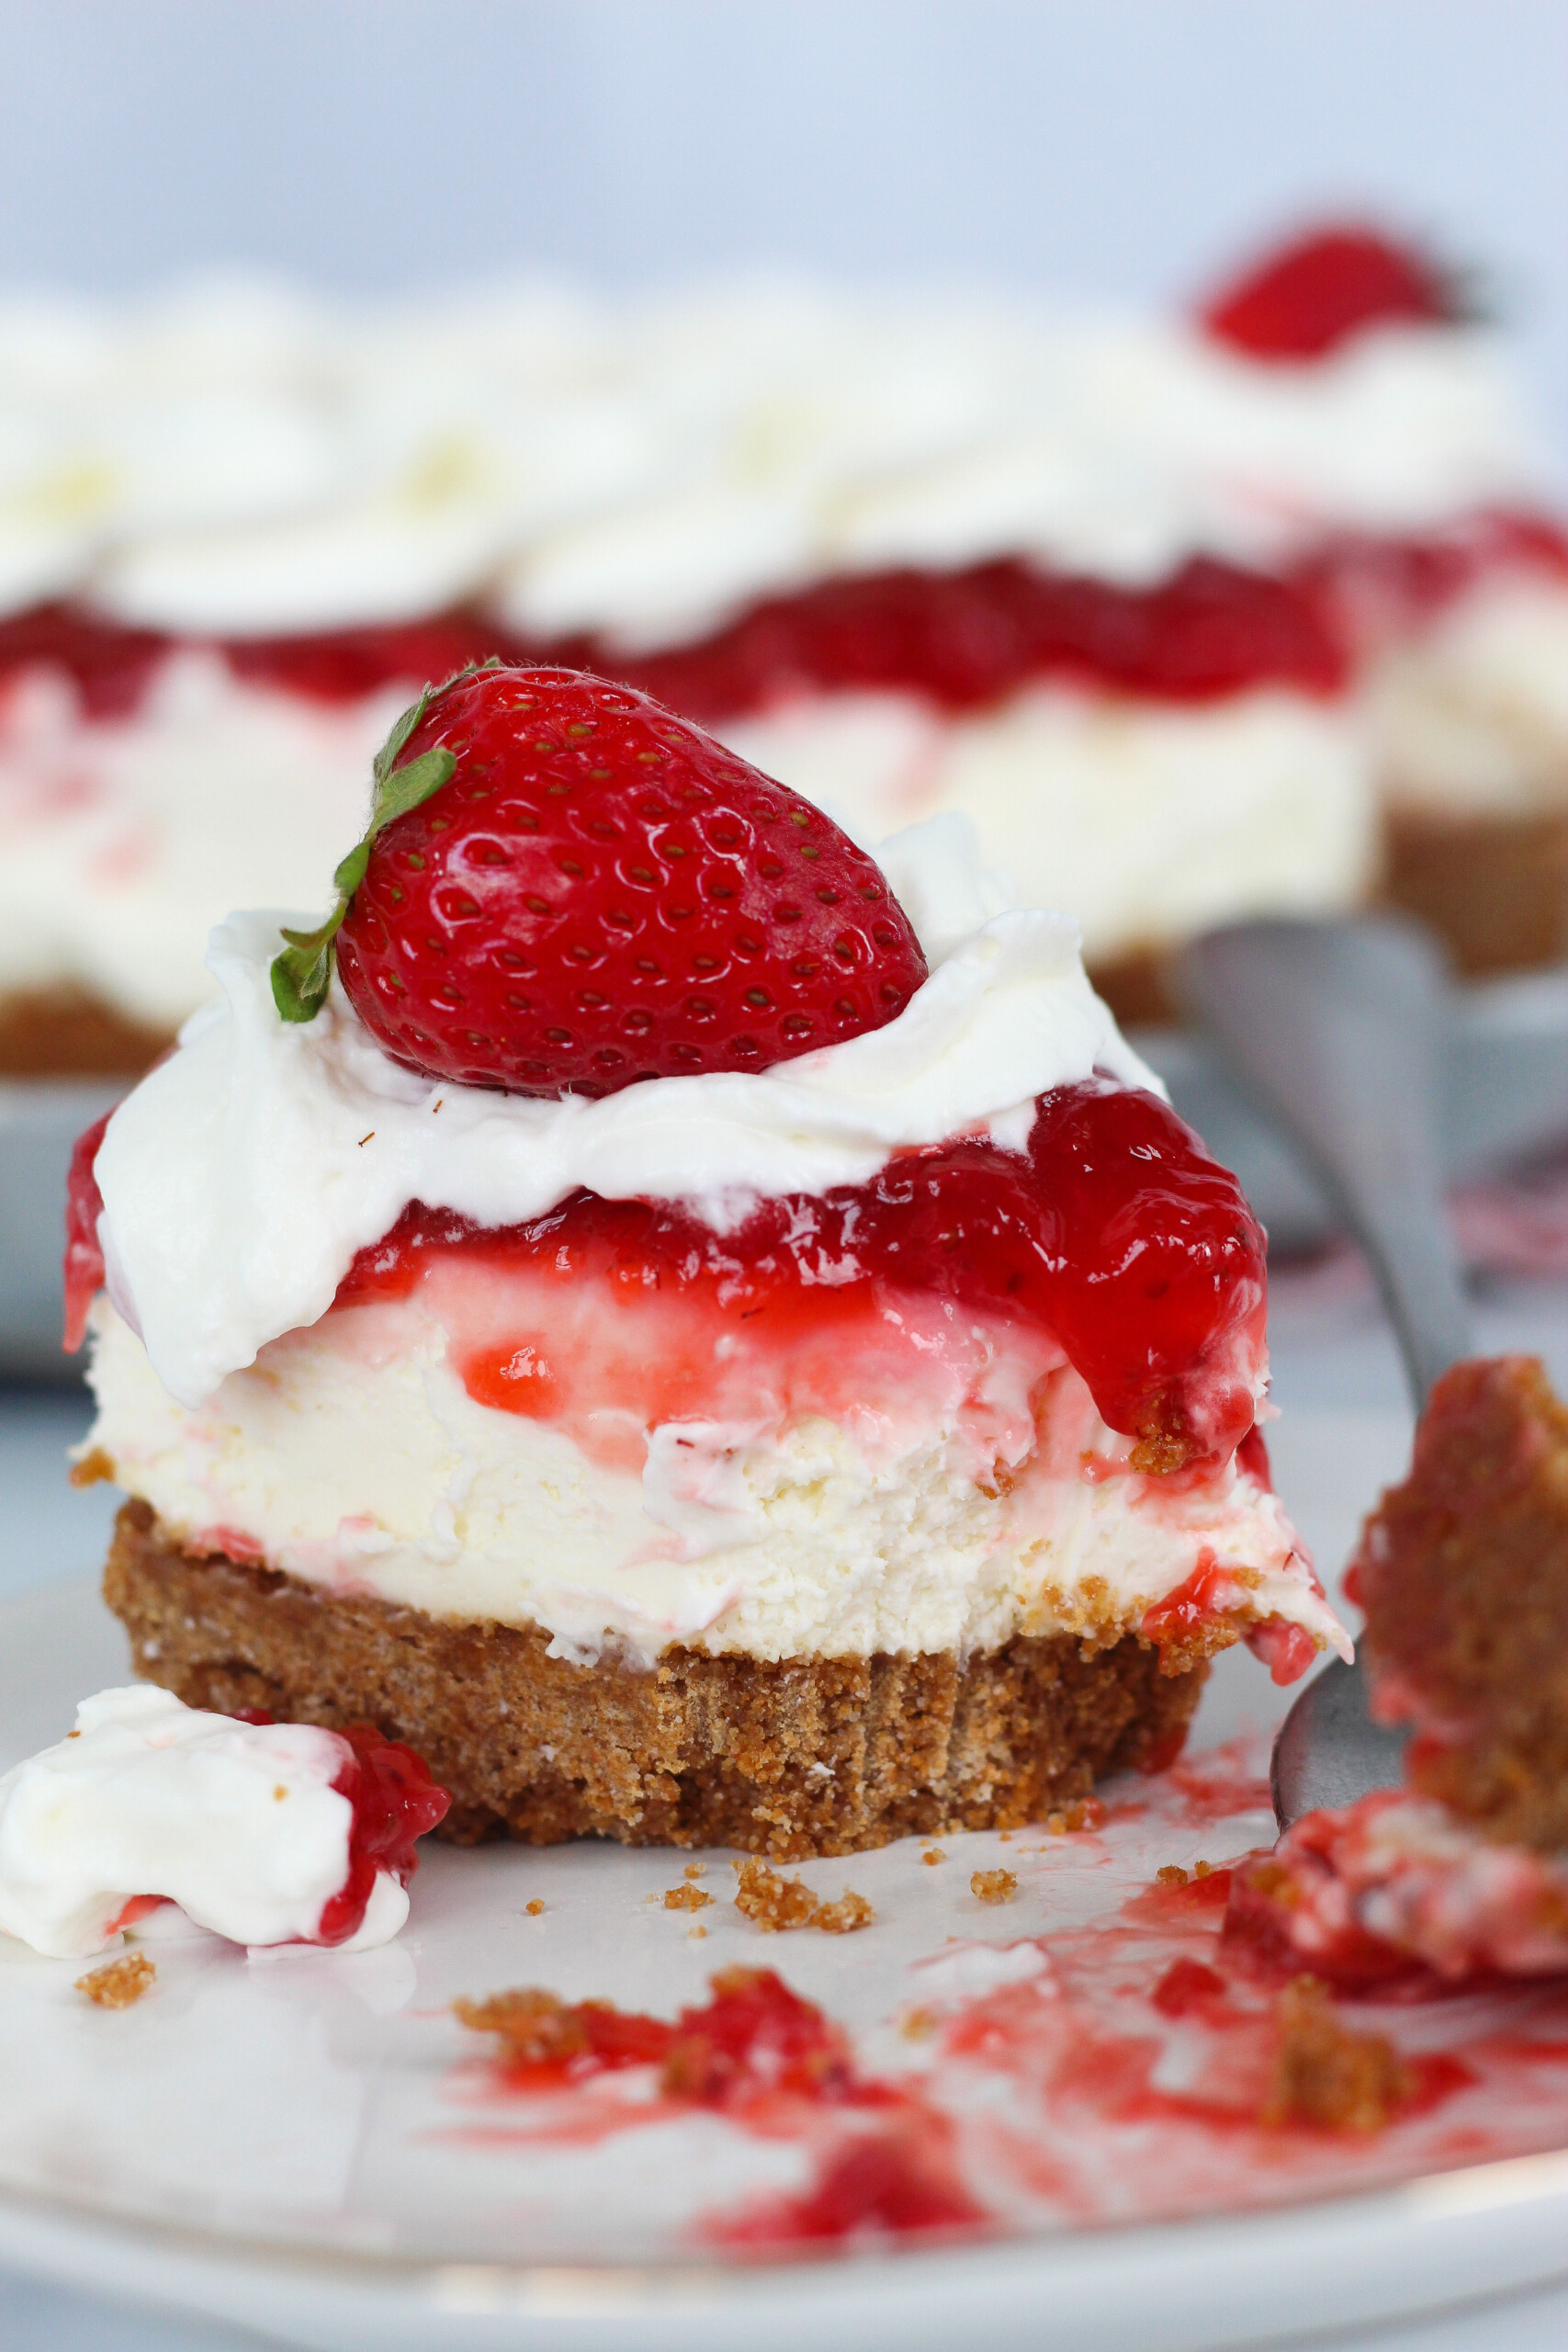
[[1108, 146], [1121, 146]]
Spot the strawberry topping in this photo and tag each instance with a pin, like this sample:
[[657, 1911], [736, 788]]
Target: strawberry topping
[[1115, 1232], [1313, 296], [565, 889]]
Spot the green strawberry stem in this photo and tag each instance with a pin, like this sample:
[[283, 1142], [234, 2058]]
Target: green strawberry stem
[[302, 973]]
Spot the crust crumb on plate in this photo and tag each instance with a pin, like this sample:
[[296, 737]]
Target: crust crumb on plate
[[120, 1982], [993, 1886], [777, 1904], [1323, 2074]]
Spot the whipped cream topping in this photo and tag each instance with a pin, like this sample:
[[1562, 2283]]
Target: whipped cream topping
[[236, 455], [243, 1174], [239, 1824]]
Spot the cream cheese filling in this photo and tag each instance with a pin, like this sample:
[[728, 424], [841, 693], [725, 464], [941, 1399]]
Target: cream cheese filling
[[351, 1455]]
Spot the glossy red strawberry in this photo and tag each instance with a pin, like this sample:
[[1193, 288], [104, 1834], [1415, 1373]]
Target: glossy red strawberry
[[1313, 295], [572, 889]]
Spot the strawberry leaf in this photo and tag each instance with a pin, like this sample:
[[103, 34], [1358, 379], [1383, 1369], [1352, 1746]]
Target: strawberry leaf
[[386, 758], [299, 979], [302, 973], [404, 789], [351, 873]]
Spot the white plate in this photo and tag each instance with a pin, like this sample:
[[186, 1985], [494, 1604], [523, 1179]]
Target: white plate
[[301, 2143]]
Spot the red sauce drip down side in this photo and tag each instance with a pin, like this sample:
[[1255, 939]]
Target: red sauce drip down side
[[1115, 1232], [84, 1259]]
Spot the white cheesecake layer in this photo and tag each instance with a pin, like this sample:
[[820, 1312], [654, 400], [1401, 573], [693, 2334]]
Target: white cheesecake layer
[[127, 838], [970, 1493], [1147, 820], [1471, 716]]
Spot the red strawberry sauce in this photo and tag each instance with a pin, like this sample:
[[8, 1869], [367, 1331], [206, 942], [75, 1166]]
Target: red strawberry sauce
[[394, 1802], [775, 2065], [1114, 1234]]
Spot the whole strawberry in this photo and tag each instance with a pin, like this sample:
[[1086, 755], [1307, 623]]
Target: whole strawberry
[[1315, 293], [564, 888]]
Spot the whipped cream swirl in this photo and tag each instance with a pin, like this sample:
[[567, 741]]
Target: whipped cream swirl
[[243, 1174]]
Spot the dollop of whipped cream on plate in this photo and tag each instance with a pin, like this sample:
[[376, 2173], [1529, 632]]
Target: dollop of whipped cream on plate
[[239, 1824], [244, 1173]]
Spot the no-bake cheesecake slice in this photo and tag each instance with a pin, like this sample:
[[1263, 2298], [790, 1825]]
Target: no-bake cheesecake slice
[[706, 1336], [1462, 1570]]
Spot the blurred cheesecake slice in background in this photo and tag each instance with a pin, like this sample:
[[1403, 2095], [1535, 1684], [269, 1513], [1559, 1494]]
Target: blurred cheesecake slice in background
[[1197, 616]]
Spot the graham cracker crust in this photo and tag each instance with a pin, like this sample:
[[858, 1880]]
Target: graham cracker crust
[[1462, 1570], [1136, 986], [64, 1033], [811, 1755], [1493, 885]]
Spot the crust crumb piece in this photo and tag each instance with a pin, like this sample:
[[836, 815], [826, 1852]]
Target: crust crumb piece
[[1084, 1813], [777, 1904], [95, 1469], [918, 2024], [534, 2026], [994, 1887], [686, 1898], [1172, 1875], [843, 1917], [933, 1854], [118, 1981], [533, 1909], [694, 1935], [1203, 1869], [694, 1870], [1325, 2075]]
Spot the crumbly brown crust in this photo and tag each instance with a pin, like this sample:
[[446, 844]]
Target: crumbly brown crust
[[1136, 986], [812, 1756], [1325, 2075], [1463, 1574], [120, 1982], [1493, 886], [65, 1033]]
